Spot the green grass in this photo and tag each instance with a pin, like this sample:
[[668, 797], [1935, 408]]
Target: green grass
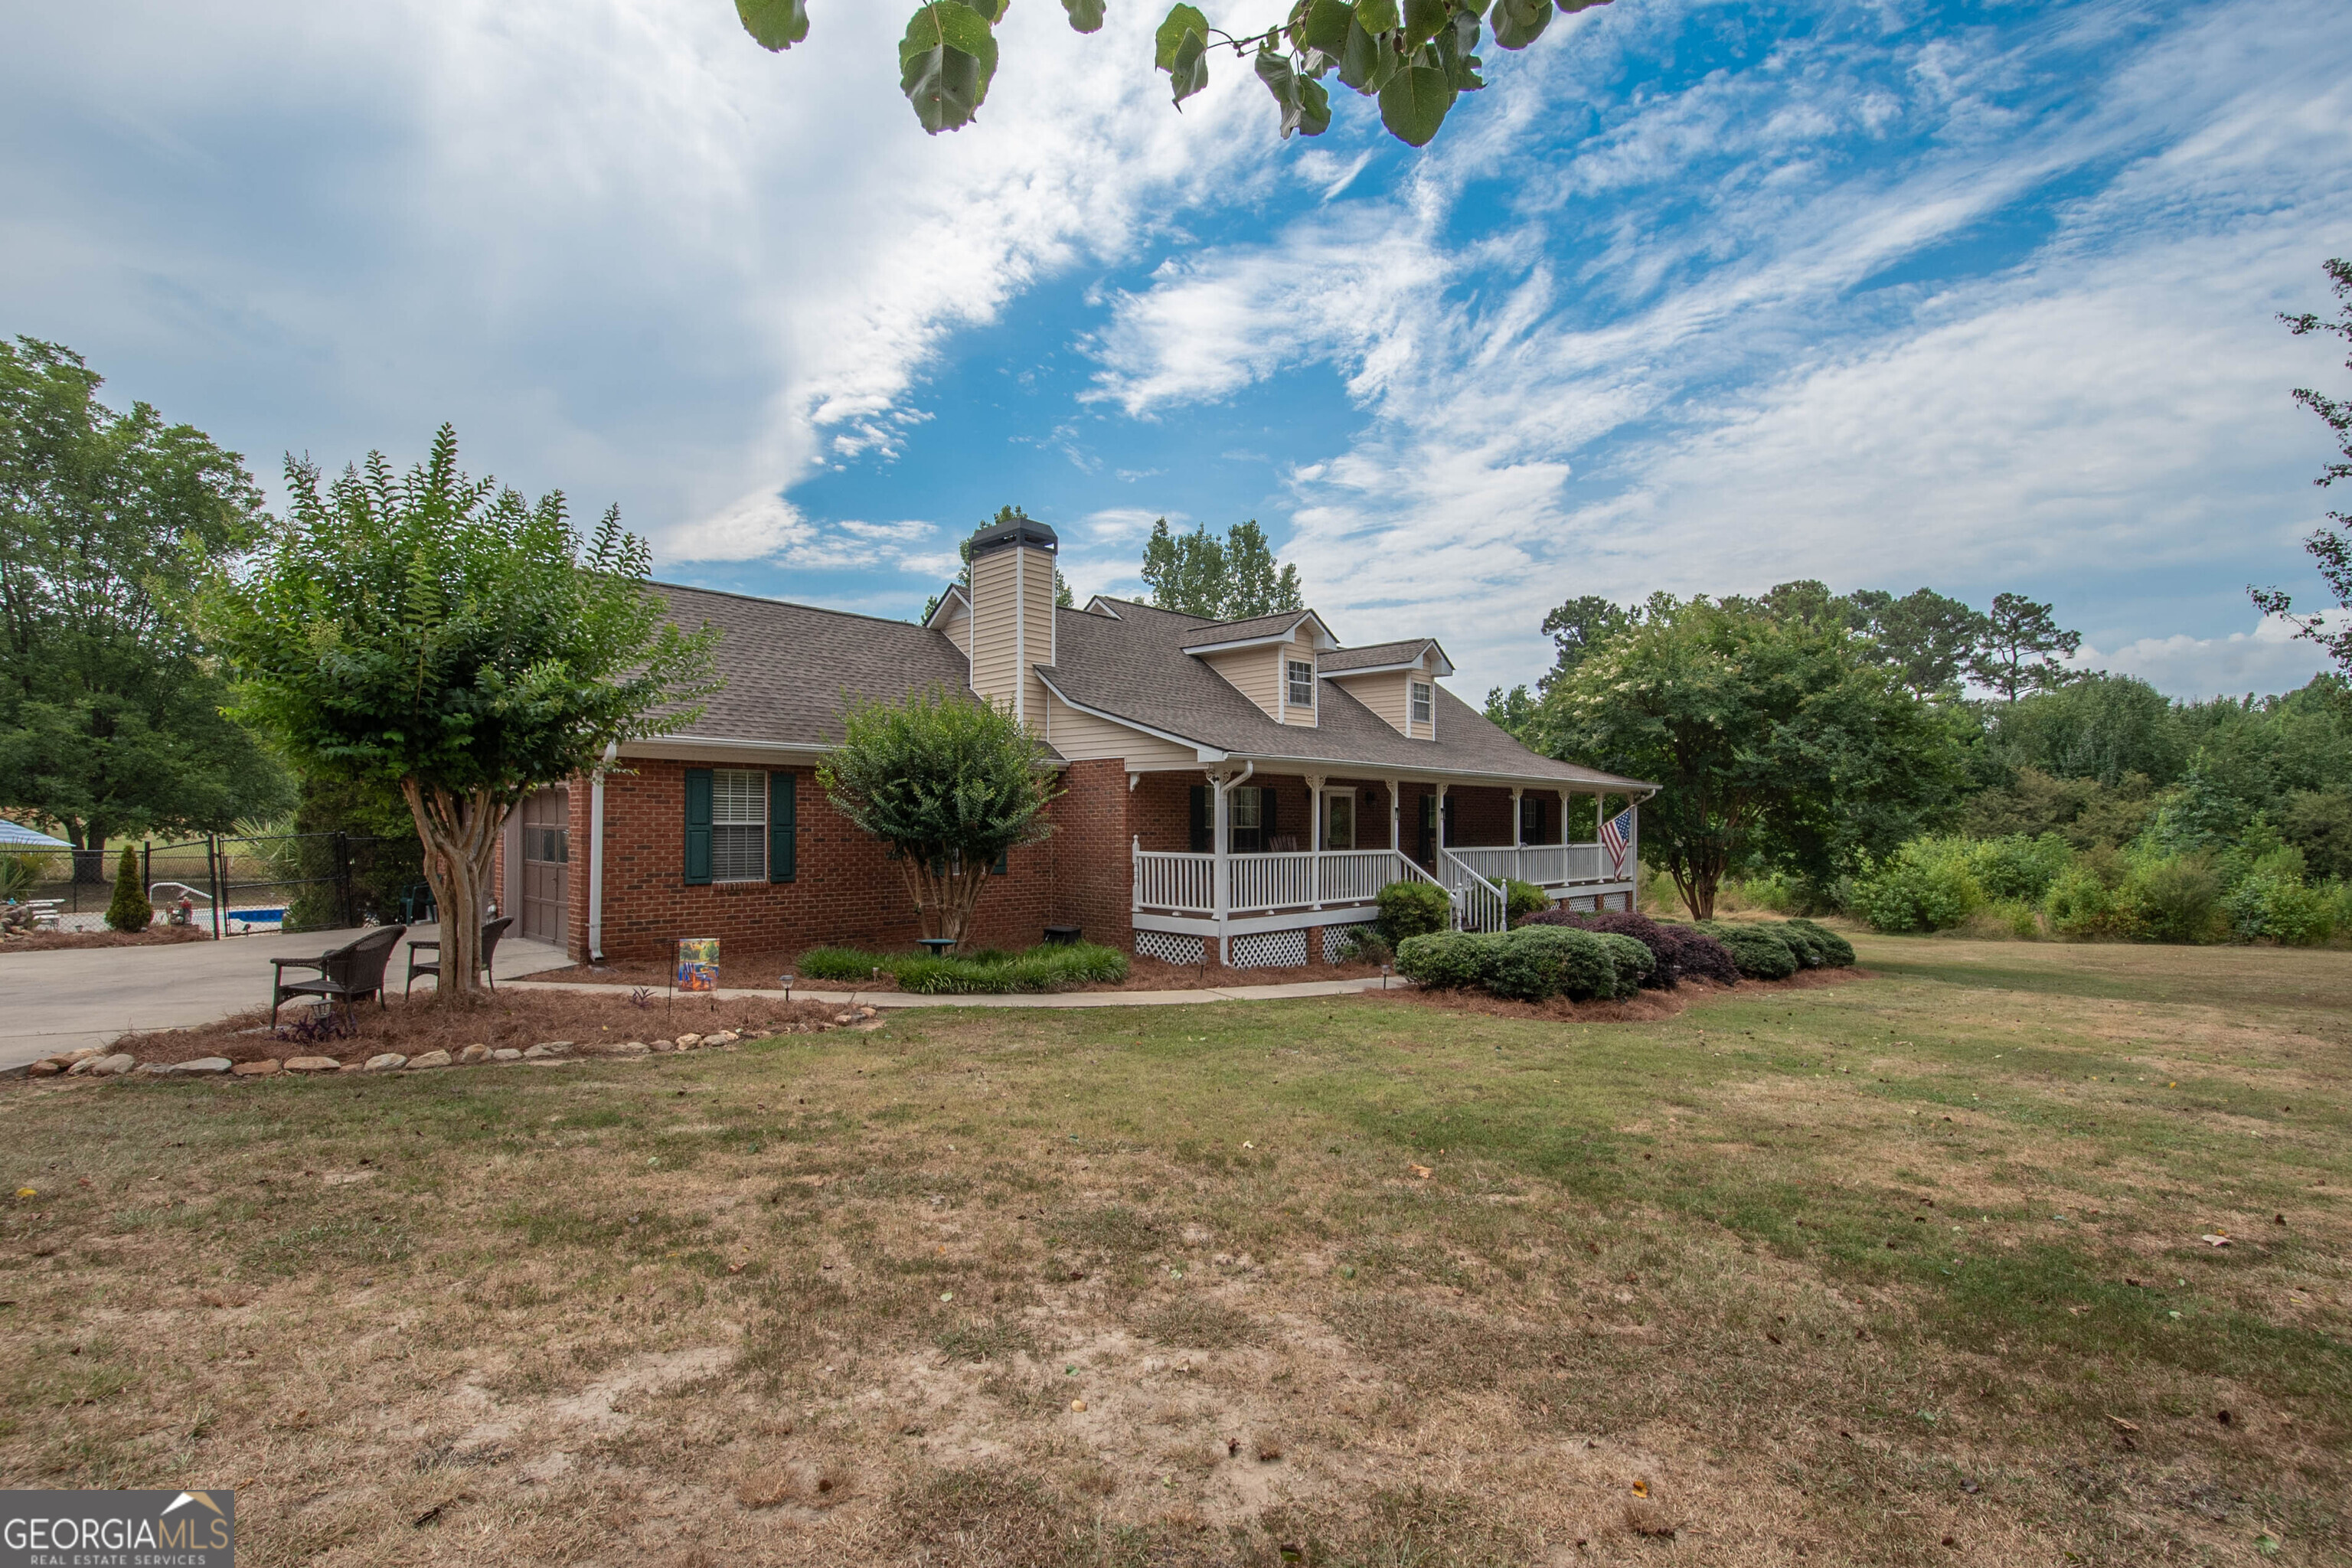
[[1652, 1250]]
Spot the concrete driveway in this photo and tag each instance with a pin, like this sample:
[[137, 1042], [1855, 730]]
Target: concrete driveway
[[52, 1002]]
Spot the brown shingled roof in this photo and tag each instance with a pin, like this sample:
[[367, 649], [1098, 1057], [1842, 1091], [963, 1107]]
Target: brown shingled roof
[[1374, 656]]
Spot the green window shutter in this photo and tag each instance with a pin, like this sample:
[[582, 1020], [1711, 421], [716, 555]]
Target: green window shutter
[[783, 826], [698, 825], [1265, 817], [1203, 831]]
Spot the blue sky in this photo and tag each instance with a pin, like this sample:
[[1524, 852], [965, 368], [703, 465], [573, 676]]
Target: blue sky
[[1698, 297]]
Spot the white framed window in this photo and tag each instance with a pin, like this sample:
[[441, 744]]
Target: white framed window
[[1425, 702], [738, 825], [1340, 819], [1302, 684]]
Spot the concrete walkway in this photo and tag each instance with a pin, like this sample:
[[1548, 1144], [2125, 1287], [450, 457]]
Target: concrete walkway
[[62, 1000], [1034, 999]]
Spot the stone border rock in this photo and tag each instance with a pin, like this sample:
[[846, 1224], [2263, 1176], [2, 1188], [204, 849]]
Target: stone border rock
[[96, 1062]]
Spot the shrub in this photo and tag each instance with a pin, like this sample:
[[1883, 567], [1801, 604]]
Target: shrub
[[1522, 900], [1411, 908], [1836, 952], [18, 875], [1926, 885], [2017, 868], [2178, 900], [1052, 967], [1810, 955], [1630, 958], [2282, 909], [842, 963], [1442, 961], [1668, 944], [129, 910], [1755, 950], [2080, 903], [1364, 945]]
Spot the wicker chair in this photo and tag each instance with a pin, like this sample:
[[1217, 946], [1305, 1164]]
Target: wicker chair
[[348, 974], [491, 931]]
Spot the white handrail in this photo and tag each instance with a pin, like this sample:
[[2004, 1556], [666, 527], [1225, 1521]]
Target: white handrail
[[1478, 904]]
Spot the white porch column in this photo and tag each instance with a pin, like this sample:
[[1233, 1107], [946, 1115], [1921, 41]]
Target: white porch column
[[1565, 797], [1396, 805], [1135, 868], [1315, 840], [1518, 831], [1221, 870], [1437, 812]]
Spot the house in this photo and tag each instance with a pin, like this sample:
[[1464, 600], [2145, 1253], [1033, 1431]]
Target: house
[[1235, 792]]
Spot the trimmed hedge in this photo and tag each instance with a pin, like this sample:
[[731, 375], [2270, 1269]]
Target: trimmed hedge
[[1521, 899], [1412, 907], [1530, 964], [1633, 960], [1675, 951], [1051, 967], [1836, 951], [1758, 950]]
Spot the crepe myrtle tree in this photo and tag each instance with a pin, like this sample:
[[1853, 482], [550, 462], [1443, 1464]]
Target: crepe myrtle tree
[[951, 783], [1415, 56], [439, 634], [2330, 547]]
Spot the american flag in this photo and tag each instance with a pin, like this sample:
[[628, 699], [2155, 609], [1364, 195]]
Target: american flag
[[1617, 833]]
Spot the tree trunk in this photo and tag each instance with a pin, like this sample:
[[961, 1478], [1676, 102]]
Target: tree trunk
[[460, 834]]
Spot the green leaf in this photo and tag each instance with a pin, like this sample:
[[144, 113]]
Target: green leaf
[[1325, 25], [775, 24], [1085, 15], [1423, 20], [1188, 73], [945, 63], [1378, 17], [1573, 7], [991, 11], [1413, 104], [1366, 59], [1306, 107], [1181, 19], [1519, 23], [1453, 57]]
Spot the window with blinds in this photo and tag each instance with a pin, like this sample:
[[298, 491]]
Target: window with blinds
[[1425, 701], [1302, 684], [738, 825]]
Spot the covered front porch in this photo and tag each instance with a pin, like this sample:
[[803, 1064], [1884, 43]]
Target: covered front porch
[[1267, 860]]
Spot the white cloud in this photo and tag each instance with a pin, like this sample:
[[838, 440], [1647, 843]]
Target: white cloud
[[756, 528], [2270, 658]]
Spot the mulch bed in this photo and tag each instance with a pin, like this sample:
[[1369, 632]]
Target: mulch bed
[[759, 972], [153, 936], [1644, 1007], [415, 1028]]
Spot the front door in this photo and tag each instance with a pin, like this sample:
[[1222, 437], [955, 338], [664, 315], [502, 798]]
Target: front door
[[546, 864]]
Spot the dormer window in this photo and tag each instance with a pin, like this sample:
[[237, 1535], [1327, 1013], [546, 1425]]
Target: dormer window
[[1302, 684], [1424, 700]]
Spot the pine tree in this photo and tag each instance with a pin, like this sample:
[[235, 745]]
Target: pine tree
[[129, 910]]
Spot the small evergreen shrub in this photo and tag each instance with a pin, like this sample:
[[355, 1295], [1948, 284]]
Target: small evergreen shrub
[[1810, 955], [1052, 967], [1699, 956], [1412, 907], [1364, 945], [1442, 961], [129, 910], [1674, 949], [1631, 961], [1835, 951], [1755, 950], [1522, 900]]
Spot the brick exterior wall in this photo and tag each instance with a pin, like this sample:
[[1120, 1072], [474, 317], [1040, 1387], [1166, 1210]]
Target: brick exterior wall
[[1093, 873], [844, 890]]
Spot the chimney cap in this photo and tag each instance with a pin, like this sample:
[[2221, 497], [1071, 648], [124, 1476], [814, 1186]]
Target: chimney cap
[[1006, 535]]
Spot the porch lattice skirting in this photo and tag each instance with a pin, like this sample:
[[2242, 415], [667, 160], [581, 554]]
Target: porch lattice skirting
[[1171, 947], [1270, 950]]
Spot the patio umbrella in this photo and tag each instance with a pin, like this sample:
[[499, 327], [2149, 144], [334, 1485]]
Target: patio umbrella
[[15, 837]]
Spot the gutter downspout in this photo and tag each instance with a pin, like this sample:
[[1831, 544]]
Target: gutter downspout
[[596, 855]]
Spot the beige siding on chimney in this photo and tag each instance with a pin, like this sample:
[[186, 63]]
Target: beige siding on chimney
[[1007, 644], [1082, 737], [1255, 672]]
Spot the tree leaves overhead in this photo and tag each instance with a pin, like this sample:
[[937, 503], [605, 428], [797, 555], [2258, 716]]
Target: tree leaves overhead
[[1416, 56], [1413, 104], [776, 23], [946, 61]]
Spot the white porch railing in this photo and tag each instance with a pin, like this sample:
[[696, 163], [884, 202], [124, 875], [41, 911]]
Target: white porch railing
[[1478, 904], [1285, 881], [1544, 865], [1180, 884], [1355, 875]]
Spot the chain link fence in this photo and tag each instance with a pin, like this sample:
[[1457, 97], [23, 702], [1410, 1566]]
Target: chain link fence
[[233, 884]]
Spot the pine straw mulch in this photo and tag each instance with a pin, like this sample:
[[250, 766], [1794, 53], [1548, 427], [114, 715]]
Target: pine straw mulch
[[55, 940], [509, 1018], [762, 972], [1643, 1008]]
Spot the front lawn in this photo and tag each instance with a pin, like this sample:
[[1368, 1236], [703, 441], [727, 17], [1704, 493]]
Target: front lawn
[[1906, 1270]]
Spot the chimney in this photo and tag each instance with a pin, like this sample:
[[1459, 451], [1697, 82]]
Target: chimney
[[1012, 615]]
